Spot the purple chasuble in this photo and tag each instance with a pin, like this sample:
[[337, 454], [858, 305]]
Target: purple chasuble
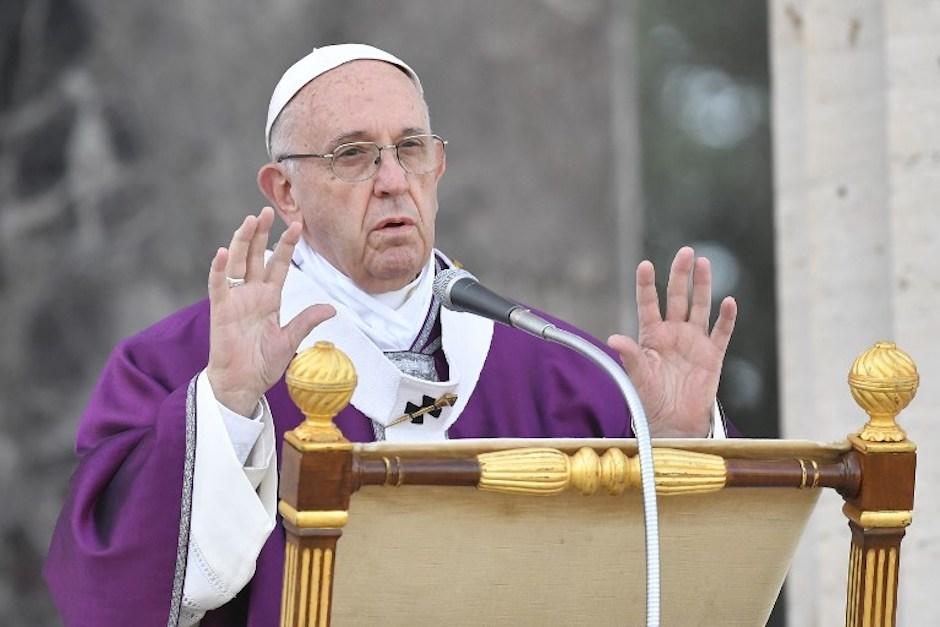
[[114, 554]]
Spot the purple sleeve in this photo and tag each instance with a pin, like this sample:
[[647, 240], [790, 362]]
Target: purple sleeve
[[113, 555], [587, 389], [584, 395], [531, 388]]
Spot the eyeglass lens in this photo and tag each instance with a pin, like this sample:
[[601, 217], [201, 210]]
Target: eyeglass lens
[[358, 161]]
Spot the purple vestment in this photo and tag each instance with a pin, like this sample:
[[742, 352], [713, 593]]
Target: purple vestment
[[113, 557]]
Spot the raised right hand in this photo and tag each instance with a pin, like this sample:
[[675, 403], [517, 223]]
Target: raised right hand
[[248, 349]]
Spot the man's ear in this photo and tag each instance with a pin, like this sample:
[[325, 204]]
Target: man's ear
[[276, 187]]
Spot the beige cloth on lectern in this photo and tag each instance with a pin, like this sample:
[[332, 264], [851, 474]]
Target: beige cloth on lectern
[[458, 556]]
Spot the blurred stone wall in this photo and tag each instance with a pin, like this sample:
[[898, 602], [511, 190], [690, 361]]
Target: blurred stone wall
[[131, 132]]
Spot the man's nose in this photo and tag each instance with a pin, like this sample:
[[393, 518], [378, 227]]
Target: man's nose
[[390, 179]]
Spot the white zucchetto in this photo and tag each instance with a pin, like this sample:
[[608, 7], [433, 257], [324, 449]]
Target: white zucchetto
[[319, 61]]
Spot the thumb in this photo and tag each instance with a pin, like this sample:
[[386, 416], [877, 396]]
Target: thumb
[[303, 323], [634, 361]]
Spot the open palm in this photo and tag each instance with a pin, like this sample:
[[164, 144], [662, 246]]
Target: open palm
[[248, 348], [676, 362]]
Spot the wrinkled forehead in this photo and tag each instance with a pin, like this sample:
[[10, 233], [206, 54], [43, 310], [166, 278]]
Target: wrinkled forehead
[[372, 100]]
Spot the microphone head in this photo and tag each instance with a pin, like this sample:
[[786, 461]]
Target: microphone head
[[444, 283]]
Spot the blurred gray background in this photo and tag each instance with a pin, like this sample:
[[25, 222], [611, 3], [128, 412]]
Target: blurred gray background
[[584, 136]]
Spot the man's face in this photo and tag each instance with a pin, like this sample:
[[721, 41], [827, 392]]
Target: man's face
[[379, 232]]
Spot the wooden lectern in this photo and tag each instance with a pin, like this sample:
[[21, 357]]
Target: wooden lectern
[[419, 552]]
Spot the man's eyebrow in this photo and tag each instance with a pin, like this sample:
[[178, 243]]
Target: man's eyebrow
[[345, 138], [359, 136], [414, 130]]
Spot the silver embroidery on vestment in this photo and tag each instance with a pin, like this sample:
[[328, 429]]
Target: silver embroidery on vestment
[[434, 346], [379, 430], [415, 364], [186, 507], [433, 312], [425, 332]]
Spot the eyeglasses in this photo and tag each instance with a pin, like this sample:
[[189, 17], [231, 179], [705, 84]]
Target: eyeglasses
[[358, 161]]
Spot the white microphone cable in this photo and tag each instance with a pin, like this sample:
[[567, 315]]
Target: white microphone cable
[[460, 291]]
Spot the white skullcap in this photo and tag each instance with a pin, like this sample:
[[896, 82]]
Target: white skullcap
[[318, 62]]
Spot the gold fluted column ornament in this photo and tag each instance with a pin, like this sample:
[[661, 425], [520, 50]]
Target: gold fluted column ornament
[[315, 483], [546, 471], [883, 381]]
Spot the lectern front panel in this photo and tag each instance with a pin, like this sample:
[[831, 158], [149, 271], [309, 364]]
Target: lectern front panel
[[444, 556]]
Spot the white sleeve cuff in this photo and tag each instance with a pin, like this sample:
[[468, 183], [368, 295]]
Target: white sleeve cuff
[[233, 513], [717, 430], [260, 459], [242, 431]]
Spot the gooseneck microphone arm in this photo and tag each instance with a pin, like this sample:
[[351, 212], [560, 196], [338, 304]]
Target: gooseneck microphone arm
[[460, 291]]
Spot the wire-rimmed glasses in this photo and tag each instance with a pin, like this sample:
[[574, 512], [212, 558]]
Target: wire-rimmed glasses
[[358, 161]]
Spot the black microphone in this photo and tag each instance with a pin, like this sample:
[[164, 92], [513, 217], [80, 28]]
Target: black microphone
[[460, 291]]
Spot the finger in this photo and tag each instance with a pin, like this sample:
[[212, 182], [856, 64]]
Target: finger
[[647, 300], [701, 293], [304, 322], [724, 326], [279, 263], [259, 242], [236, 266], [634, 361], [677, 289], [218, 287]]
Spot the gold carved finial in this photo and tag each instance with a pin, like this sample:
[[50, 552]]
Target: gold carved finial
[[883, 381], [321, 381]]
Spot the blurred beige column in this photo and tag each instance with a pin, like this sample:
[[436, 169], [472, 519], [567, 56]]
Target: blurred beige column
[[856, 101]]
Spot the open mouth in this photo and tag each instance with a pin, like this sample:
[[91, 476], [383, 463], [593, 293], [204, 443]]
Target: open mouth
[[394, 223]]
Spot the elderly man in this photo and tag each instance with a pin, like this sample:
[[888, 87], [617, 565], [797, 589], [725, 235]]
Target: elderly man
[[171, 510]]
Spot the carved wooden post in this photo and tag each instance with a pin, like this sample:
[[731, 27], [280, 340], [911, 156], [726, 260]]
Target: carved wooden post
[[315, 484], [883, 381]]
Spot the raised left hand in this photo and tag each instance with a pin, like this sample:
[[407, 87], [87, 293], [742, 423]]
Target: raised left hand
[[676, 364]]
